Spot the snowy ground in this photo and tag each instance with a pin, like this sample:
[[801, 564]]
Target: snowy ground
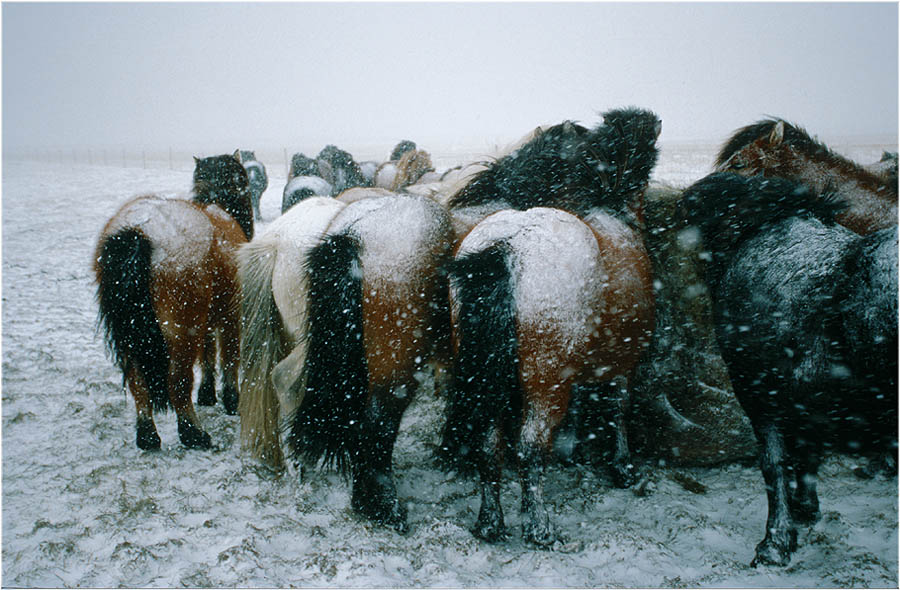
[[83, 507]]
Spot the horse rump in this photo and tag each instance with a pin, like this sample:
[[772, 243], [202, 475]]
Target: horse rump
[[132, 332]]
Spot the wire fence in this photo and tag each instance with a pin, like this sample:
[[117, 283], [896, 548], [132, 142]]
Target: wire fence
[[276, 159]]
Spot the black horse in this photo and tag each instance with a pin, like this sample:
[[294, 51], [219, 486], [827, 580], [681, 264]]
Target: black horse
[[340, 169], [805, 314], [259, 180]]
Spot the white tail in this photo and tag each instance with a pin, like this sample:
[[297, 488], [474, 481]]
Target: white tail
[[263, 344]]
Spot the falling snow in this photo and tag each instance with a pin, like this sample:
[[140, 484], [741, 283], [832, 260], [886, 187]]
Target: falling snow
[[83, 507]]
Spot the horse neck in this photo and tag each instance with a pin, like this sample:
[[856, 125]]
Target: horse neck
[[871, 202]]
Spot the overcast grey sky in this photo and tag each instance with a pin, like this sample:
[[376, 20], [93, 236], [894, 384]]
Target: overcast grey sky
[[174, 74]]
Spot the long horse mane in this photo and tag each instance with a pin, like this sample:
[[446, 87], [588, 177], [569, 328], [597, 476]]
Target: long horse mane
[[794, 136], [572, 167]]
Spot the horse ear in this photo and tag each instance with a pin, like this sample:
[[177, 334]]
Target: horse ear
[[237, 156], [196, 160], [777, 135]]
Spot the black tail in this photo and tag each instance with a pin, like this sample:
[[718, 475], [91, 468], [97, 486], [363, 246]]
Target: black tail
[[132, 331], [326, 425], [485, 392]]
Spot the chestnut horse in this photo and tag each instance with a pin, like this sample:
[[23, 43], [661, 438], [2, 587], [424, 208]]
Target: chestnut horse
[[805, 314], [549, 309], [774, 147], [365, 312], [166, 287]]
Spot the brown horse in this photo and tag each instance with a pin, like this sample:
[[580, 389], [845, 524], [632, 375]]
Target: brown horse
[[166, 277], [339, 355], [551, 311], [773, 147]]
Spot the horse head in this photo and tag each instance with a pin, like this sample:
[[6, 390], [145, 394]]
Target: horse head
[[222, 180], [768, 145]]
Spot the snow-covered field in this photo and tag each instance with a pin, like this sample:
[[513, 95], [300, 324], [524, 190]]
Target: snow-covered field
[[82, 506]]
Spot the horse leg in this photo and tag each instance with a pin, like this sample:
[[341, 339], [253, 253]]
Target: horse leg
[[489, 526], [806, 458], [181, 382], [147, 437], [206, 395], [374, 491], [230, 351], [613, 410], [543, 417], [599, 414], [781, 536]]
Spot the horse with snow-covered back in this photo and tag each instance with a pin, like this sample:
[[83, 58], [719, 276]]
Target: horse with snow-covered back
[[304, 181], [259, 180], [345, 307], [167, 289], [805, 314], [774, 147], [552, 306]]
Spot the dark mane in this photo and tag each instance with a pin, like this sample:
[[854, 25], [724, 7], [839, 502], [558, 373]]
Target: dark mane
[[794, 136], [572, 167]]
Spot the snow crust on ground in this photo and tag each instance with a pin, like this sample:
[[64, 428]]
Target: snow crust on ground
[[82, 506]]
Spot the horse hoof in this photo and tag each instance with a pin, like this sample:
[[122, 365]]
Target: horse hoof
[[147, 437], [193, 437], [624, 476], [540, 537], [768, 553], [389, 513], [490, 533]]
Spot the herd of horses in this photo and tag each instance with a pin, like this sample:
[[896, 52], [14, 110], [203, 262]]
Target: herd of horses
[[524, 287]]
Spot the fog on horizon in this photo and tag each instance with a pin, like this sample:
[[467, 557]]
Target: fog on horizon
[[286, 74]]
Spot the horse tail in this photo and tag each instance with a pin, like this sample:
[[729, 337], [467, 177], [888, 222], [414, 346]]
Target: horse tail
[[485, 393], [326, 425], [262, 347], [132, 332], [729, 208]]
